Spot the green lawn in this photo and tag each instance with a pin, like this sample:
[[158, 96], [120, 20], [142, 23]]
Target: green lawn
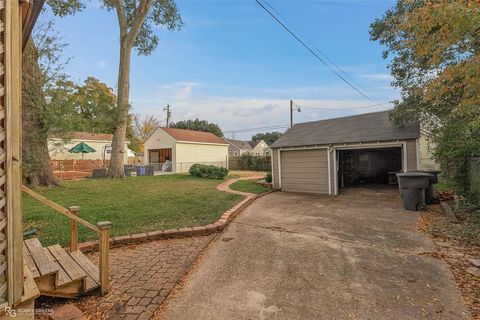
[[133, 205], [248, 186]]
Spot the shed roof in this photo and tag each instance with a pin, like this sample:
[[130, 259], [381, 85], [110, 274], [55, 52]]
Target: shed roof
[[193, 136], [240, 144], [368, 127]]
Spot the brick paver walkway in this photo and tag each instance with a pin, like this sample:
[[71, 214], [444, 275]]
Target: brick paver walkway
[[142, 276]]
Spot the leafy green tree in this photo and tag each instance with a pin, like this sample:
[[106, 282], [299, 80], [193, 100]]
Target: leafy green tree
[[95, 104], [268, 137], [198, 125], [434, 47]]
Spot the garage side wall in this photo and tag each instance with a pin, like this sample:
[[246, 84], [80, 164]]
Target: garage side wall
[[191, 153], [411, 147]]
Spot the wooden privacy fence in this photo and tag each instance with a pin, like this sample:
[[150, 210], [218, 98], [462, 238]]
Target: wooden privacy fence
[[102, 228], [250, 163], [78, 165]]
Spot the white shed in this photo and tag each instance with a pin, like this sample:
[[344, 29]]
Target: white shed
[[185, 148]]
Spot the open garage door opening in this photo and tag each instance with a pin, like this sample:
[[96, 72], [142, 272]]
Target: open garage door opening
[[374, 167]]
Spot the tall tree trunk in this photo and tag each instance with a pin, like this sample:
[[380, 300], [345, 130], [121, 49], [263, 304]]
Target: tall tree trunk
[[37, 169], [119, 136]]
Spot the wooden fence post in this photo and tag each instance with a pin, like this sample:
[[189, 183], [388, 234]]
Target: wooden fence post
[[104, 227], [73, 229]]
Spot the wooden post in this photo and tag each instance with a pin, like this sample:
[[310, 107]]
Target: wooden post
[[104, 227], [73, 229], [13, 148]]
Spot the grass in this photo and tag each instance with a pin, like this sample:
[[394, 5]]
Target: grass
[[249, 186], [133, 205]]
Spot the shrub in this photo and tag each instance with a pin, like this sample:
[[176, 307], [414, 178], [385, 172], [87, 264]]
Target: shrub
[[208, 172], [268, 178]]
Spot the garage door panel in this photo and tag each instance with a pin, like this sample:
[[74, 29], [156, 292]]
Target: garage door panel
[[304, 175], [304, 171]]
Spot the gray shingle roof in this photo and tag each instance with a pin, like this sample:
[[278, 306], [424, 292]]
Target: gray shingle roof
[[240, 144], [368, 127]]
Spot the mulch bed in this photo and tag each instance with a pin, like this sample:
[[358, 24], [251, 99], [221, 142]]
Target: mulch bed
[[457, 245]]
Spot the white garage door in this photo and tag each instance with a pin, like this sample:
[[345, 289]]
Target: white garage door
[[304, 171]]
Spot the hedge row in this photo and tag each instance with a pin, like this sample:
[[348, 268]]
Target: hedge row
[[209, 172]]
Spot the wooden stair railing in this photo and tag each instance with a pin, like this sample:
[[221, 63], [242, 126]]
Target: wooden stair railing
[[102, 228]]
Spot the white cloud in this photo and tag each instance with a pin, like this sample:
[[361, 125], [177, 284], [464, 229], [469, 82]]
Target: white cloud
[[377, 76], [102, 64], [239, 107]]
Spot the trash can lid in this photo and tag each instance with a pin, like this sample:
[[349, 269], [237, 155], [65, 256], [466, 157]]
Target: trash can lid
[[428, 171], [413, 174]]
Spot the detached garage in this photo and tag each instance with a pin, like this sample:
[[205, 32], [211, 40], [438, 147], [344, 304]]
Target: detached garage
[[326, 156], [176, 150]]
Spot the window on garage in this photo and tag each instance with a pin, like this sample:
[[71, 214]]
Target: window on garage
[[376, 166]]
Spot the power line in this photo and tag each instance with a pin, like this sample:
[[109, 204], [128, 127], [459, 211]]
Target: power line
[[279, 126], [313, 45], [313, 52], [348, 108]]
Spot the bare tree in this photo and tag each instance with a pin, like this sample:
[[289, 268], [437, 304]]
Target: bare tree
[[144, 126]]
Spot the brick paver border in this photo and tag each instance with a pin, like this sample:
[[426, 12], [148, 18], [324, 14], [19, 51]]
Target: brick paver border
[[217, 226]]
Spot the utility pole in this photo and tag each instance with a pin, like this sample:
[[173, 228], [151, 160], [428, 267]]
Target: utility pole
[[291, 112], [169, 114]]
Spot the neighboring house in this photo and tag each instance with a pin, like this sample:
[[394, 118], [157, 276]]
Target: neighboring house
[[239, 147], [184, 148], [260, 148], [324, 156], [101, 142]]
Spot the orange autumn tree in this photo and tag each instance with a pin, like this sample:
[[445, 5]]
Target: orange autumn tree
[[434, 47]]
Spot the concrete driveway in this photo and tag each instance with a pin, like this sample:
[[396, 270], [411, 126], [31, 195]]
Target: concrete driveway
[[298, 256]]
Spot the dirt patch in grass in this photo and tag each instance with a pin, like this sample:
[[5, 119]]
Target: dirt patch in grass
[[459, 246]]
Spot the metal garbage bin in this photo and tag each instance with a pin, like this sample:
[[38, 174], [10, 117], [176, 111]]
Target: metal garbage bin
[[429, 195], [412, 187]]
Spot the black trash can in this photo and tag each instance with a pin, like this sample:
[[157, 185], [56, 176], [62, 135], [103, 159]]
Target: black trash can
[[429, 195], [128, 168], [412, 187]]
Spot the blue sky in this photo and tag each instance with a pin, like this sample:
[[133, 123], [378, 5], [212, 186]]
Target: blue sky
[[232, 64]]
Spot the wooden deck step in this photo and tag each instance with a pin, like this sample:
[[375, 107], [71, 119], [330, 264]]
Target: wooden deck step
[[43, 260], [93, 276], [30, 263], [62, 277], [71, 268], [59, 273], [30, 289]]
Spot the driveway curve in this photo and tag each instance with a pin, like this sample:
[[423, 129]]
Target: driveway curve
[[298, 256]]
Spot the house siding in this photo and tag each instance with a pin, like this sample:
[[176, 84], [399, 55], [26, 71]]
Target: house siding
[[411, 147], [58, 150], [426, 149], [188, 154]]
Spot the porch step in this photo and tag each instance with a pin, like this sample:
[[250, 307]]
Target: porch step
[[59, 273]]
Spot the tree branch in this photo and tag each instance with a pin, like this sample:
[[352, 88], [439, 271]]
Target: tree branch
[[122, 19], [140, 14]]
